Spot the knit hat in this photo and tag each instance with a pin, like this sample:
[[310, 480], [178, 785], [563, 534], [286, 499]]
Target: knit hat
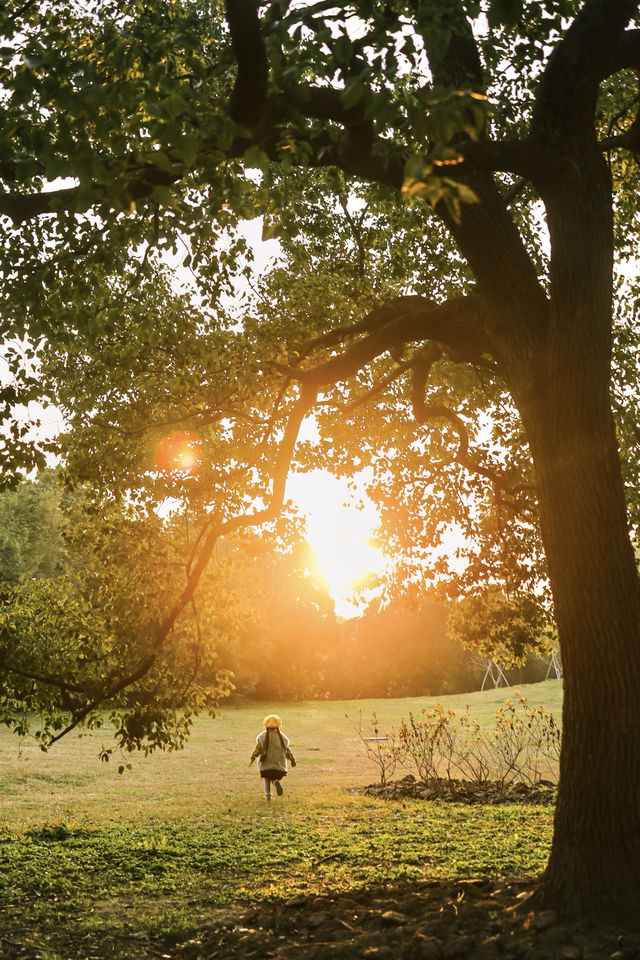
[[272, 721]]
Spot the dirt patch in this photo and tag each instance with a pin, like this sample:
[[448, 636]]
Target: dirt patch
[[461, 791]]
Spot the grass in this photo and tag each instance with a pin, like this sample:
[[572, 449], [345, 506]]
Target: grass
[[88, 853]]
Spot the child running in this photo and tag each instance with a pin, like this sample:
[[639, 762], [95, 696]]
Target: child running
[[272, 751]]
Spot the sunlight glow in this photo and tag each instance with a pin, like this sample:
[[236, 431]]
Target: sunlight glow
[[341, 536], [178, 453]]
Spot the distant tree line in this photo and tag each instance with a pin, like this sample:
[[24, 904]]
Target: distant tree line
[[300, 654]]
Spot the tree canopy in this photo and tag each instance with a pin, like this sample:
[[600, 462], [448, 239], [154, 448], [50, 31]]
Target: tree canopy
[[453, 188]]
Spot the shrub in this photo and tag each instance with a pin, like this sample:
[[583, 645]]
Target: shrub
[[442, 746], [378, 746]]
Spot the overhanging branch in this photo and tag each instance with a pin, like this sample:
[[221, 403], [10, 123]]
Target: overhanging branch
[[592, 49], [121, 684], [140, 183], [423, 413], [205, 547], [48, 679], [223, 528], [458, 324]]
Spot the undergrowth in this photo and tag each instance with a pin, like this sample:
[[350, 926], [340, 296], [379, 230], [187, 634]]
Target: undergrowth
[[441, 744]]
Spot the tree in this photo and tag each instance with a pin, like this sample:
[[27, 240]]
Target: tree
[[31, 540], [150, 106], [78, 646], [398, 653], [278, 649]]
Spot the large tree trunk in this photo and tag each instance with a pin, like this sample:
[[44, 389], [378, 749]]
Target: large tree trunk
[[594, 868]]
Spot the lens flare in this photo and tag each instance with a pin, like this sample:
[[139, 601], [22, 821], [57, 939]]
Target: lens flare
[[178, 453]]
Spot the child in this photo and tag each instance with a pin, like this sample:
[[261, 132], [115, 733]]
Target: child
[[272, 751]]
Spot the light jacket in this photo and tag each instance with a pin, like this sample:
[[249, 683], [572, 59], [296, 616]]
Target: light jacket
[[272, 750]]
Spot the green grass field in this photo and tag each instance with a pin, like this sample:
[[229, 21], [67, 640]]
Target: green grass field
[[88, 853]]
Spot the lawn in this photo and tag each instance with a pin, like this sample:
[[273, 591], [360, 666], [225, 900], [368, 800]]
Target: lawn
[[89, 857]]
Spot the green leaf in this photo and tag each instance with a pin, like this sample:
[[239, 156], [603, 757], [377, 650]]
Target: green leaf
[[506, 13], [33, 60], [256, 158], [271, 229], [354, 90], [343, 49]]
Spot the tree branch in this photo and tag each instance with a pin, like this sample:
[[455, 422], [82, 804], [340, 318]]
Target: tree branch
[[142, 669], [142, 179], [507, 156], [485, 233], [427, 356], [592, 48], [208, 542], [624, 55], [48, 679], [16, 14], [457, 324], [356, 232], [236, 474], [21, 207], [223, 528], [423, 413], [249, 94], [374, 320], [630, 139]]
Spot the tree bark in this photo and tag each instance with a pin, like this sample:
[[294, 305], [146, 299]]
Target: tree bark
[[594, 867]]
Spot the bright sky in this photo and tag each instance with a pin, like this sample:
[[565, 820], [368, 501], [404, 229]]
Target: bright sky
[[339, 530]]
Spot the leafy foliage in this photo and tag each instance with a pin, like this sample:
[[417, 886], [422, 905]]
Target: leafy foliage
[[72, 641], [31, 541], [503, 628]]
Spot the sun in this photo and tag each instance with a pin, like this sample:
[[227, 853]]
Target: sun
[[178, 454], [340, 534]]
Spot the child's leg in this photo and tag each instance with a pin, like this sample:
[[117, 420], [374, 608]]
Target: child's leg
[[267, 788]]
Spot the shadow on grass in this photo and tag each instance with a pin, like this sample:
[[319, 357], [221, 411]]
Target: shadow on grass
[[428, 920]]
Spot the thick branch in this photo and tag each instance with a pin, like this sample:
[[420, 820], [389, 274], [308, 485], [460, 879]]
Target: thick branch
[[250, 91], [457, 324], [21, 207], [624, 55], [323, 152], [566, 98], [426, 358], [374, 320], [486, 234], [507, 156], [457, 64]]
